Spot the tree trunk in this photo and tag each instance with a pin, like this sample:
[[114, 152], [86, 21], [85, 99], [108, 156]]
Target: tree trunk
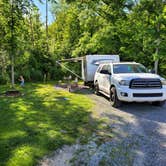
[[12, 45], [12, 70], [31, 27], [157, 50], [156, 61]]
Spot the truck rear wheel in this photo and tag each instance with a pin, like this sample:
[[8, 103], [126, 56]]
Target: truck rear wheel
[[115, 102], [158, 103]]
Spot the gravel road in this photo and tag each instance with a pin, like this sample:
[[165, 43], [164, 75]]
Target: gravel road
[[142, 121], [139, 137]]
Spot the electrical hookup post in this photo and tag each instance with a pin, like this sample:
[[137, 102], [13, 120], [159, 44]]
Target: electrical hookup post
[[68, 82]]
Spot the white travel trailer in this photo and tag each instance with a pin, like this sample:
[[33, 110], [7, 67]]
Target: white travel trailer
[[89, 65]]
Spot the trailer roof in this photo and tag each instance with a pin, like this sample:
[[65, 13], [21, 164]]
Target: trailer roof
[[82, 58], [123, 62], [71, 59]]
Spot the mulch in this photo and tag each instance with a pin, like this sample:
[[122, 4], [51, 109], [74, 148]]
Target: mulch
[[11, 93]]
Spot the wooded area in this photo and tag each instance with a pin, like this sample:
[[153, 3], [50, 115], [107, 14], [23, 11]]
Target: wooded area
[[134, 29]]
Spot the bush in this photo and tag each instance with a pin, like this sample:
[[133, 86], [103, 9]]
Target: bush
[[4, 79], [36, 75]]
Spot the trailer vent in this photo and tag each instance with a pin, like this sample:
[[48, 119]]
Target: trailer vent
[[145, 84]]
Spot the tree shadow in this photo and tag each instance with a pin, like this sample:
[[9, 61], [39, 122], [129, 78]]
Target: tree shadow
[[146, 110], [36, 124]]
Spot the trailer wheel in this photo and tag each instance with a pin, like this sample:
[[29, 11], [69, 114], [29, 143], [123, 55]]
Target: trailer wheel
[[85, 83], [96, 87], [115, 102]]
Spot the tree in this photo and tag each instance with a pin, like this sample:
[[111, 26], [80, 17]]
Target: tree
[[17, 10], [150, 17], [133, 29]]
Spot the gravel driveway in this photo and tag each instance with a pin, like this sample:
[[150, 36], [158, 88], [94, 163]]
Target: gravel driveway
[[141, 120], [139, 139]]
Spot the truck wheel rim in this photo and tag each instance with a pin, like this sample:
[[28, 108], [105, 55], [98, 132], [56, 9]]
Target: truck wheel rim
[[112, 97], [96, 88]]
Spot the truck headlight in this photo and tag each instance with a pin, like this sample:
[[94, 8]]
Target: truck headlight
[[124, 82], [163, 82]]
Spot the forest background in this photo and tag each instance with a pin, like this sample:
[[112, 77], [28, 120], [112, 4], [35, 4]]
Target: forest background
[[133, 29]]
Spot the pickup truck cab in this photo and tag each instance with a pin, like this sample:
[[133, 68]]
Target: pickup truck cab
[[130, 82]]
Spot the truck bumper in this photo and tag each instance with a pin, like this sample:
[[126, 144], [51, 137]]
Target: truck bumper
[[141, 95]]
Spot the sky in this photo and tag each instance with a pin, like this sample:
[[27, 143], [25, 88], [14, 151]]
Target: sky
[[42, 11]]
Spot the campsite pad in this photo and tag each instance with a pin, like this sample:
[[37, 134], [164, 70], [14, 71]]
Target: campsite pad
[[70, 88]]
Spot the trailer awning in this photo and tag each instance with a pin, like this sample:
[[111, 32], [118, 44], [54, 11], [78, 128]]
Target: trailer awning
[[59, 62]]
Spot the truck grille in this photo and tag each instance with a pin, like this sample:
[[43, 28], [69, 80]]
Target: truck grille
[[147, 94], [145, 84]]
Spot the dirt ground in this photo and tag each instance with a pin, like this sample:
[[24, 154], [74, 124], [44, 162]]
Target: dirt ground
[[141, 122]]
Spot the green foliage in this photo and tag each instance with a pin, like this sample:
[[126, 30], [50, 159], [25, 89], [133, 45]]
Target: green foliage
[[128, 28], [133, 29]]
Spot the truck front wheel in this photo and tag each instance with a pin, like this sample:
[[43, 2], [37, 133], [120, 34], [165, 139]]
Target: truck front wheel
[[158, 103], [115, 102]]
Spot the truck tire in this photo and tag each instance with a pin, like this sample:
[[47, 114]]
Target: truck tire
[[96, 88], [90, 84], [115, 102], [158, 103]]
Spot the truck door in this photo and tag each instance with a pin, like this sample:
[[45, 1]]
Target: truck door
[[107, 79], [99, 77], [103, 77]]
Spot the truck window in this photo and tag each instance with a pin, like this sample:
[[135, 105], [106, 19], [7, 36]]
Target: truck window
[[129, 68], [99, 68], [109, 69], [105, 67]]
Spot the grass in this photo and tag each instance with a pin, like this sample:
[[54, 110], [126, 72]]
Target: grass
[[39, 122]]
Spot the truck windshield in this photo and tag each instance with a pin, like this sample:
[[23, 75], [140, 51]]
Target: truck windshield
[[129, 68]]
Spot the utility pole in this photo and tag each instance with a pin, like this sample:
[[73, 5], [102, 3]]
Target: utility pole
[[47, 25], [157, 49], [45, 71]]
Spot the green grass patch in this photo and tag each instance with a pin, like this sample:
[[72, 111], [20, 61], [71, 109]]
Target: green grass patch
[[39, 122]]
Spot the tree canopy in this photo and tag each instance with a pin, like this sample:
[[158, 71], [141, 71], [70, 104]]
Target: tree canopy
[[136, 30]]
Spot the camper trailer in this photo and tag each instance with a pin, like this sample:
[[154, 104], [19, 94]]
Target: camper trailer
[[89, 65], [121, 81]]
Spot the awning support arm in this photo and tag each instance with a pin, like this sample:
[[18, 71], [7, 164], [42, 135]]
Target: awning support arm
[[69, 70]]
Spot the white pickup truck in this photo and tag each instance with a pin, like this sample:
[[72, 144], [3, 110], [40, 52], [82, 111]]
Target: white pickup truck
[[130, 82]]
